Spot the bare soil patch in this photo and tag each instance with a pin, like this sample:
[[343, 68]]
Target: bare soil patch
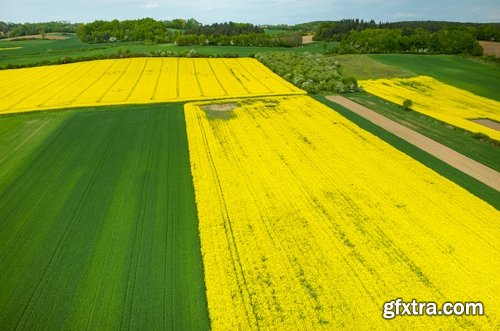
[[220, 107], [307, 39], [490, 48], [488, 123], [47, 36], [461, 162]]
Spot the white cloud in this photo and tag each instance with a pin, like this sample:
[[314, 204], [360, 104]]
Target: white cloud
[[150, 5], [404, 15]]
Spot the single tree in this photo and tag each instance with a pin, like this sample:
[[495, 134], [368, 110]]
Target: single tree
[[407, 104]]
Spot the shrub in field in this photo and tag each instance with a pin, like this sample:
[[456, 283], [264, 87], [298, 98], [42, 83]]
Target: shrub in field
[[407, 104], [314, 73]]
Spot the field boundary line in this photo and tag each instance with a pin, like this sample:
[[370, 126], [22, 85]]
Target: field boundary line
[[229, 234], [197, 78], [72, 81], [138, 79], [177, 79], [477, 170], [216, 78], [114, 82], [230, 70], [157, 81], [95, 80], [52, 81], [244, 69]]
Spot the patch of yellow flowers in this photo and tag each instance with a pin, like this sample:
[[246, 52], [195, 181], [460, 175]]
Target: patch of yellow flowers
[[9, 48], [137, 80], [309, 222], [441, 101]]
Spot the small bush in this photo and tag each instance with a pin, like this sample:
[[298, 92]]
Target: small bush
[[407, 104]]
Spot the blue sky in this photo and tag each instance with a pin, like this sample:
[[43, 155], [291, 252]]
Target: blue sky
[[257, 11]]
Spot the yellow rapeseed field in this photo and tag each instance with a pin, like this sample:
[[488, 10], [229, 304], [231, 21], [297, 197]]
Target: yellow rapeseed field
[[441, 101], [308, 222], [9, 48], [137, 80]]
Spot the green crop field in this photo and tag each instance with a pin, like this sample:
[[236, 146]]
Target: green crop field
[[362, 66], [99, 223], [34, 52]]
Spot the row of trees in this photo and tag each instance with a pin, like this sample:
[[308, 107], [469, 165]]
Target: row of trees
[[443, 41], [151, 31], [225, 29], [481, 31], [335, 31], [289, 39], [147, 30], [10, 30]]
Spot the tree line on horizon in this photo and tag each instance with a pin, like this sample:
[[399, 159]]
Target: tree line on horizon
[[151, 31], [431, 37], [353, 35]]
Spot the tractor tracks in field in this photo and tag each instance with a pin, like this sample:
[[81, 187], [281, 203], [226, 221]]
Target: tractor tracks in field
[[63, 240], [459, 161]]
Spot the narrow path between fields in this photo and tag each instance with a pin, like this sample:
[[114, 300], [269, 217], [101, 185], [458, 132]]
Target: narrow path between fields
[[468, 166]]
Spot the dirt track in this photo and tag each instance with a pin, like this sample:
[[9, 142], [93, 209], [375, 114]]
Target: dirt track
[[468, 166], [47, 36]]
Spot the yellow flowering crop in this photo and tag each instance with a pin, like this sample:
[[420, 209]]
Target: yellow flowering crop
[[137, 80], [9, 48], [441, 101], [308, 222]]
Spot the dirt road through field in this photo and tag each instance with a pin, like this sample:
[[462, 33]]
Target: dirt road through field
[[468, 166]]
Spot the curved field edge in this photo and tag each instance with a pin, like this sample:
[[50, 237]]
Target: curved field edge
[[99, 223], [344, 222], [472, 185]]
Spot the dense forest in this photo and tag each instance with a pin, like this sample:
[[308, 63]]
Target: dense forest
[[418, 41], [237, 34], [358, 36], [225, 29], [289, 39], [336, 31], [146, 30], [184, 33]]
